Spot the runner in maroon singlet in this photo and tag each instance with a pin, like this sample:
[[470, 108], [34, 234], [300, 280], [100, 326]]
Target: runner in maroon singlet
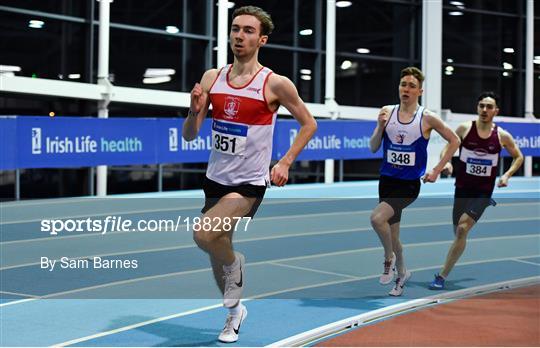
[[481, 143]]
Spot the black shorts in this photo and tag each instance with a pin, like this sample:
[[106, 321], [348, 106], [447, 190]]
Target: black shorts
[[213, 191], [470, 202], [398, 193]]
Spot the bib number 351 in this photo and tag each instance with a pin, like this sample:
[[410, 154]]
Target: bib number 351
[[229, 144]]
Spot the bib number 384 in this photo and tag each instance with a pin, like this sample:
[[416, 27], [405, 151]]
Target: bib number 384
[[478, 169], [401, 158]]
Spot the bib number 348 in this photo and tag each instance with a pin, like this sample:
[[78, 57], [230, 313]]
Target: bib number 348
[[401, 158]]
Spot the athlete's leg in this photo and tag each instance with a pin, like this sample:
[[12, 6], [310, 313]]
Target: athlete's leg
[[398, 249], [461, 230], [216, 238], [379, 221]]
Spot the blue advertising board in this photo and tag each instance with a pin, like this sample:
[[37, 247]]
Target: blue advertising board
[[46, 142]]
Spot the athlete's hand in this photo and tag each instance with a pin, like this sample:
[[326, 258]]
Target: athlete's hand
[[448, 169], [279, 174], [198, 99], [384, 115], [430, 176], [503, 181]]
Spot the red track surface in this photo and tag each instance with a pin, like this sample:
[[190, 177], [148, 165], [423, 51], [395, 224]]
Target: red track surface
[[506, 318]]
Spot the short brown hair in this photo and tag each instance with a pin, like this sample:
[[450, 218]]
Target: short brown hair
[[414, 71], [267, 26]]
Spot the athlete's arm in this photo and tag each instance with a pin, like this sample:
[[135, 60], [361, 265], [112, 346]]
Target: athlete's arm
[[461, 130], [283, 92], [434, 122], [376, 138], [517, 157], [198, 108]]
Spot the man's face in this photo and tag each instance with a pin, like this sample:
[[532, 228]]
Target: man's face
[[409, 89], [487, 109], [245, 36]]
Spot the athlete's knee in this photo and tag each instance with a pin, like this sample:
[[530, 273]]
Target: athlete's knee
[[377, 219], [203, 237], [462, 230]]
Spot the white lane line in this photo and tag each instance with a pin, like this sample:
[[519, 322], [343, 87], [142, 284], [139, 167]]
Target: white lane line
[[134, 326], [255, 239], [273, 293], [268, 201], [18, 302], [18, 294], [527, 262], [296, 258], [312, 270]]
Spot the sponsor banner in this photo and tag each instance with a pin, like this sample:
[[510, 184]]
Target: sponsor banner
[[341, 139], [45, 142], [8, 143], [78, 142], [526, 135], [172, 148]]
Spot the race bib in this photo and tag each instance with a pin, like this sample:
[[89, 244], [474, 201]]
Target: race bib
[[229, 138], [478, 167], [401, 158]]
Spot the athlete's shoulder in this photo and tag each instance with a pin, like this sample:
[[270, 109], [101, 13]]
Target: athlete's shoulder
[[209, 77], [504, 135], [463, 129], [430, 113], [281, 85]]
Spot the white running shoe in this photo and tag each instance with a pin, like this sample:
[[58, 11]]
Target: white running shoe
[[232, 326], [397, 290], [234, 283], [389, 270]]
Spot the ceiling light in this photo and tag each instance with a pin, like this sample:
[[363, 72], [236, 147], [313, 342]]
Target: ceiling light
[[363, 50], [306, 77], [449, 60], [157, 72], [536, 61], [230, 4], [172, 29], [507, 66], [305, 71], [343, 3], [447, 72], [156, 80], [306, 32], [449, 68], [506, 74], [457, 3], [455, 13], [508, 50], [34, 23], [346, 64], [11, 68]]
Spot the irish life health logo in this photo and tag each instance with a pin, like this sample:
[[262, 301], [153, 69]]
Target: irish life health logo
[[36, 141], [173, 139]]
